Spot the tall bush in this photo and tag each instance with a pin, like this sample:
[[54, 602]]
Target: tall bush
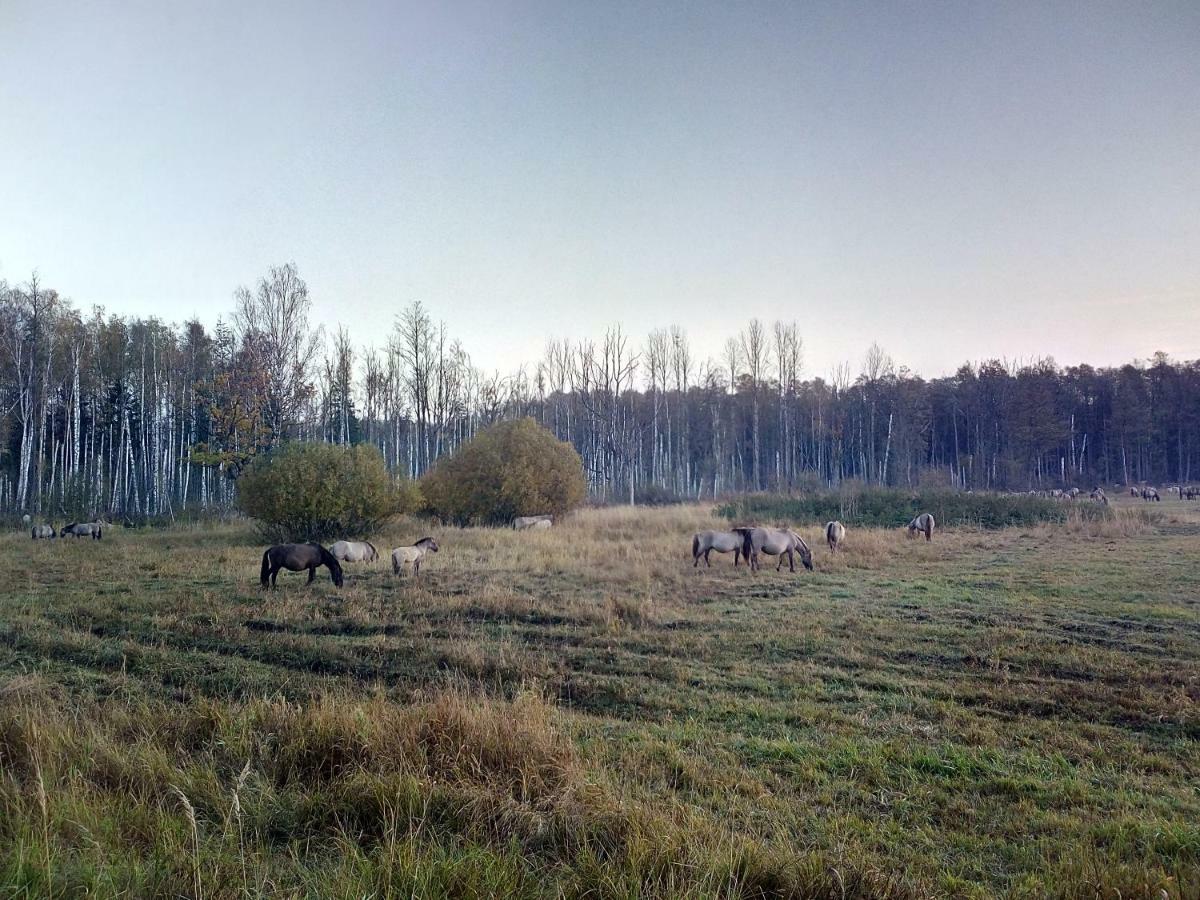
[[511, 469], [313, 492]]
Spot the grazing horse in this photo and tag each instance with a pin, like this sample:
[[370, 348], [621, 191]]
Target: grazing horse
[[1149, 493], [704, 542], [296, 558], [403, 556], [520, 523], [924, 522], [354, 551], [835, 533], [775, 543], [1133, 491], [43, 532], [82, 529], [1099, 496]]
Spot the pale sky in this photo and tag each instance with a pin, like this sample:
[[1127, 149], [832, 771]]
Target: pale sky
[[956, 181]]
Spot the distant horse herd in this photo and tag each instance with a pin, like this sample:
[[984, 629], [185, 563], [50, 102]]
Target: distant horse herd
[[749, 541], [746, 543]]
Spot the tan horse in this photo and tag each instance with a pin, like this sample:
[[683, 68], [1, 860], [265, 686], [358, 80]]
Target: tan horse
[[1100, 497], [354, 551], [835, 533], [412, 556], [82, 529], [704, 542], [924, 522], [781, 543], [520, 523]]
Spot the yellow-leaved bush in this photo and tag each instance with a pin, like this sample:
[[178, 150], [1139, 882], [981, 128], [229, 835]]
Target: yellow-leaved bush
[[511, 469]]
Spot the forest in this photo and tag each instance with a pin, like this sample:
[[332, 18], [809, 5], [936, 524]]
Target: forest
[[138, 417]]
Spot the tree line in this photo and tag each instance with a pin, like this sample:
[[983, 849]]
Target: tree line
[[137, 417]]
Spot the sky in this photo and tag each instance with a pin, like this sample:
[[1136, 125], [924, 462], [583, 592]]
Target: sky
[[954, 181]]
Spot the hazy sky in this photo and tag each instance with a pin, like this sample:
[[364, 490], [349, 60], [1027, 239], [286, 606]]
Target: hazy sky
[[953, 180]]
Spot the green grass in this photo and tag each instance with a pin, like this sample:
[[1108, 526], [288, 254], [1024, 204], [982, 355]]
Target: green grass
[[892, 508], [582, 713]]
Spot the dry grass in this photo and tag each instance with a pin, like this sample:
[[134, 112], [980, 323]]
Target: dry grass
[[581, 712]]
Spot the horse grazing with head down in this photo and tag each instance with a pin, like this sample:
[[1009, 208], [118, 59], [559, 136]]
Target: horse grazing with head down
[[412, 556], [835, 533], [43, 532], [354, 551], [521, 523], [296, 558], [82, 529], [781, 543], [704, 542], [922, 523]]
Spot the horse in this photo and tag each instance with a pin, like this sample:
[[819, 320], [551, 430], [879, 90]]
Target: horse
[[354, 551], [82, 529], [520, 523], [43, 532], [1149, 493], [1133, 491], [297, 557], [774, 543], [413, 555], [704, 542], [835, 533], [924, 522], [1190, 493], [1099, 496]]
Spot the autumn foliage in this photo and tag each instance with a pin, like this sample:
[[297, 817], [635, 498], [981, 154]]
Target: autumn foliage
[[516, 468], [321, 491]]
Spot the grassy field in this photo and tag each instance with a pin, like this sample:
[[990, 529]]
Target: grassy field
[[580, 712]]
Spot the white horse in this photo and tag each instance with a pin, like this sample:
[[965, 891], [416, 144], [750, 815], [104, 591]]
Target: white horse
[[924, 522], [835, 533], [354, 551], [412, 556], [704, 542], [779, 543], [520, 523]]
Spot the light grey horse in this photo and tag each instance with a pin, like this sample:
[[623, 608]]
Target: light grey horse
[[835, 533], [781, 543], [924, 522], [354, 551], [1149, 493], [704, 542], [1100, 497], [43, 532], [412, 556], [82, 529], [520, 523]]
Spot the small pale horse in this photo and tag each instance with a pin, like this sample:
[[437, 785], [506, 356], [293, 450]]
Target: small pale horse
[[704, 542], [82, 529], [781, 543], [354, 551], [521, 523], [412, 556], [835, 533], [43, 532], [922, 523]]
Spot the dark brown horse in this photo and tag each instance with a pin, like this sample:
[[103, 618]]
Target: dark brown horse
[[295, 558]]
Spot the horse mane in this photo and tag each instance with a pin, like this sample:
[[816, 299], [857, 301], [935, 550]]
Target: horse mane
[[424, 540]]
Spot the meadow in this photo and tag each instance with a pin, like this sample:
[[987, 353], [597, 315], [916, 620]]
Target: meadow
[[581, 713]]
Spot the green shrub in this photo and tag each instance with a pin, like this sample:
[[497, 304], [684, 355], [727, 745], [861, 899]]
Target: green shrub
[[312, 492], [512, 469], [886, 507]]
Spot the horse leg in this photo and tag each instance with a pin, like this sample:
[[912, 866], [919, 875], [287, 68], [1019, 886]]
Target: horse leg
[[274, 574], [312, 573], [707, 562]]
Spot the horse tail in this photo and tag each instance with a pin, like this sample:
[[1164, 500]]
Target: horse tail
[[265, 572], [695, 545], [373, 550]]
